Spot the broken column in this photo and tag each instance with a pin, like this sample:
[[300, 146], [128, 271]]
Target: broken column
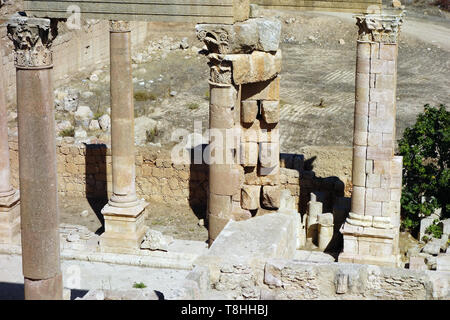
[[245, 61], [9, 197], [314, 210], [125, 213], [32, 39], [371, 231]]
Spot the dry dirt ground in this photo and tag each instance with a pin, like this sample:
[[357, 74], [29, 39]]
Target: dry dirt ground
[[317, 91]]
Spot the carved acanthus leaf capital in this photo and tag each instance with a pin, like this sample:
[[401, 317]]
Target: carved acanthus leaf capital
[[119, 26], [379, 27], [32, 39], [216, 37]]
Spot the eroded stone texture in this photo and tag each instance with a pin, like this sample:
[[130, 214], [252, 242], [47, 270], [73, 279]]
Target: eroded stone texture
[[124, 214], [32, 39], [372, 229], [244, 61]]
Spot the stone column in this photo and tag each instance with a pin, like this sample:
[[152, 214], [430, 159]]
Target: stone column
[[9, 197], [32, 40], [372, 228], [244, 115], [124, 213]]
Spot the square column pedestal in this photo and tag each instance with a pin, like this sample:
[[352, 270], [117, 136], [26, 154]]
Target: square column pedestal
[[10, 218], [124, 227], [369, 245]]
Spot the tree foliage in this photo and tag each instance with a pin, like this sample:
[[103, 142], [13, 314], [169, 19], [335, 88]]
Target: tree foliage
[[425, 148]]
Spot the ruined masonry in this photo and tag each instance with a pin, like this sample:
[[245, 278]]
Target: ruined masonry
[[39, 213], [125, 213], [371, 232], [244, 61]]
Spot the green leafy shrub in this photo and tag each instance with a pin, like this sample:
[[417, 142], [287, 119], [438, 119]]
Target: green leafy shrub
[[436, 229], [139, 285], [425, 148], [193, 106]]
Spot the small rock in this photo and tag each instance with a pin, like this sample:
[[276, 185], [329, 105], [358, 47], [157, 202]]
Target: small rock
[[104, 122], [201, 222], [290, 20], [94, 125], [93, 77], [432, 247], [12, 116], [184, 43], [312, 38], [87, 94], [83, 116], [341, 41], [173, 93], [80, 133], [71, 101], [396, 4], [63, 125], [155, 240], [84, 213]]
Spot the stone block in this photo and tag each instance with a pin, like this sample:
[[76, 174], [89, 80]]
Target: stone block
[[373, 180], [269, 135], [267, 236], [251, 133], [380, 194], [374, 50], [265, 90], [249, 154], [250, 197], [249, 111], [375, 139], [417, 263], [388, 140], [269, 154], [270, 111], [241, 10], [388, 51], [385, 81], [381, 125], [373, 208], [382, 66], [256, 67], [379, 153], [443, 262], [271, 197]]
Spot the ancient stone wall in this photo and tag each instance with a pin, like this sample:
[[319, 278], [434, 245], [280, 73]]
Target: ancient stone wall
[[73, 51], [313, 5], [86, 171]]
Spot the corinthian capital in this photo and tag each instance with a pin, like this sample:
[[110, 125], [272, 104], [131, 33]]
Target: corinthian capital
[[379, 27], [32, 39]]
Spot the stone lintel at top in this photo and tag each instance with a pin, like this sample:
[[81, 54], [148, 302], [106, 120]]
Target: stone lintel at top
[[379, 27], [32, 39], [258, 34]]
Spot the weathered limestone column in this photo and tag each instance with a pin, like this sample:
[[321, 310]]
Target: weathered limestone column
[[32, 40], [9, 197], [124, 213], [244, 63], [371, 231]]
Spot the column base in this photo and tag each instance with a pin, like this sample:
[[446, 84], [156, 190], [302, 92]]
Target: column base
[[124, 228], [48, 289], [10, 219], [369, 245]]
